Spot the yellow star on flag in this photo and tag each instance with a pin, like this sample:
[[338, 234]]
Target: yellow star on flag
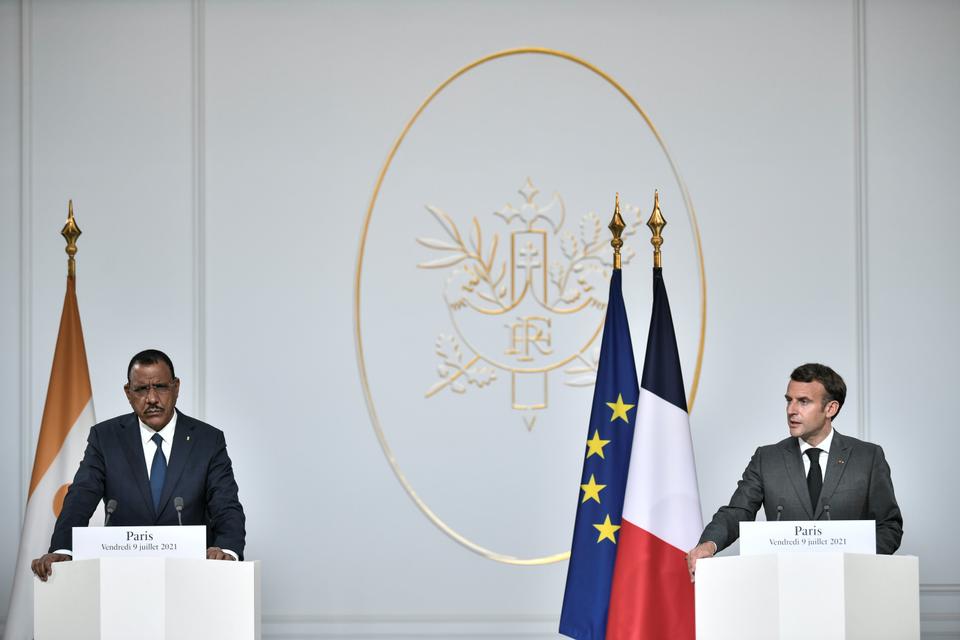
[[620, 409], [591, 490], [596, 445], [607, 530]]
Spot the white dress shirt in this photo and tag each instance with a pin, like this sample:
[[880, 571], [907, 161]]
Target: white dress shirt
[[150, 448], [823, 446]]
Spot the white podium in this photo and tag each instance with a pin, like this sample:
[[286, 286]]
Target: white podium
[[835, 596], [149, 599]]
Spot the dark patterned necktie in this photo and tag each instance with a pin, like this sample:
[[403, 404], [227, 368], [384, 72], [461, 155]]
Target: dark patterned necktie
[[815, 477]]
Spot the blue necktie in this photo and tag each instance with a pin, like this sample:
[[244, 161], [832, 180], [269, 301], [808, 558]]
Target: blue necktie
[[158, 472]]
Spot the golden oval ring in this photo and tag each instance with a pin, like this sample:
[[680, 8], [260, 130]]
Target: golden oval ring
[[358, 338]]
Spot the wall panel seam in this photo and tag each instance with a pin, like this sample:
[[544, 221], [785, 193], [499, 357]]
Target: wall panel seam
[[26, 254], [861, 215], [198, 142]]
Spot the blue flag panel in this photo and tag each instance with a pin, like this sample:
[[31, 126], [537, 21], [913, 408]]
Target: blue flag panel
[[604, 477], [661, 367]]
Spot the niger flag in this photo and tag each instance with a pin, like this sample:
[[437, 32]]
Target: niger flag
[[67, 418]]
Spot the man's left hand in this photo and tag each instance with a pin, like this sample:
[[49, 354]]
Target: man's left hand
[[216, 553], [703, 550]]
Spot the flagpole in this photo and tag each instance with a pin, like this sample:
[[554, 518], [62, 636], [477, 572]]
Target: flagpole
[[70, 233], [651, 594], [603, 479], [656, 224], [616, 227], [67, 417]]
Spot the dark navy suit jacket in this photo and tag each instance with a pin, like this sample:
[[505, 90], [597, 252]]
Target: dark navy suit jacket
[[113, 467], [857, 486]]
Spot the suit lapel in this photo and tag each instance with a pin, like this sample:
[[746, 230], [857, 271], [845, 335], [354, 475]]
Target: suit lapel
[[836, 464], [179, 455], [791, 458], [133, 450]]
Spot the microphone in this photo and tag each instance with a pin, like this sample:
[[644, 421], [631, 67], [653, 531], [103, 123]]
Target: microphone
[[779, 512], [178, 505], [111, 507], [826, 511]]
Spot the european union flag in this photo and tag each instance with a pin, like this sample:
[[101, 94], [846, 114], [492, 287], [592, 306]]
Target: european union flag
[[604, 478]]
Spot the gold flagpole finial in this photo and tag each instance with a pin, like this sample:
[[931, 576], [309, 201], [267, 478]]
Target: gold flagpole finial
[[616, 227], [656, 224], [71, 232]]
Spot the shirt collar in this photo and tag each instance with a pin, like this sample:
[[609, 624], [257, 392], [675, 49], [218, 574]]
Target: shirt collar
[[146, 433], [823, 446]]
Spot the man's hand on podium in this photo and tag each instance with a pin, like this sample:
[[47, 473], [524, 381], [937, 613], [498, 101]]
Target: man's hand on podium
[[43, 566], [703, 550], [216, 553]]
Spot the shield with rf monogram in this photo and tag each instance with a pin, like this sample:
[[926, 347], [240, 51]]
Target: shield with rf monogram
[[519, 285]]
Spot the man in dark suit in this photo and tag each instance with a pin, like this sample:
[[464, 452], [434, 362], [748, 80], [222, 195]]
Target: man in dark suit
[[145, 459], [793, 480]]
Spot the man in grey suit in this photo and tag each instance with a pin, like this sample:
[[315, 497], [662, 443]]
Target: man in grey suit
[[793, 480]]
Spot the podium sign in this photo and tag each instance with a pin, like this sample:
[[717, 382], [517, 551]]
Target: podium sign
[[140, 542], [805, 536]]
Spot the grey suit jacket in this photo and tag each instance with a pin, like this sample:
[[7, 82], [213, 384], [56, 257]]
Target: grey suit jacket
[[856, 486]]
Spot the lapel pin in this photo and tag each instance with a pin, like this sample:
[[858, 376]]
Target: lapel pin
[[839, 460], [188, 440]]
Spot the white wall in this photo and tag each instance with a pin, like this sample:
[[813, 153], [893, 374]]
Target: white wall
[[11, 276], [221, 157], [912, 267]]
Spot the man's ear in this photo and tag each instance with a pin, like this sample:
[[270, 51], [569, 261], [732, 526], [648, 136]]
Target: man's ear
[[833, 407]]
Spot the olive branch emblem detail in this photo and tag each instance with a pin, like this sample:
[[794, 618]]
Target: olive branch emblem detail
[[511, 301]]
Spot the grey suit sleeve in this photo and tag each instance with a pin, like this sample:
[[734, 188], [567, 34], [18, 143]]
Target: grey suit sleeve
[[724, 528], [882, 506]]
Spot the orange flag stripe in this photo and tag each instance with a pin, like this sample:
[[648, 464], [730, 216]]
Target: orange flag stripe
[[69, 390]]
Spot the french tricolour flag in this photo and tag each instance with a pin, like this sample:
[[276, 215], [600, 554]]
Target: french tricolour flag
[[651, 594]]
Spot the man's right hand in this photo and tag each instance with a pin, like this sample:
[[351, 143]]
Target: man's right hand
[[703, 550], [43, 566]]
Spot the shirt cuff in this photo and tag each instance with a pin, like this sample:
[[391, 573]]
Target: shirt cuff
[[235, 556]]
